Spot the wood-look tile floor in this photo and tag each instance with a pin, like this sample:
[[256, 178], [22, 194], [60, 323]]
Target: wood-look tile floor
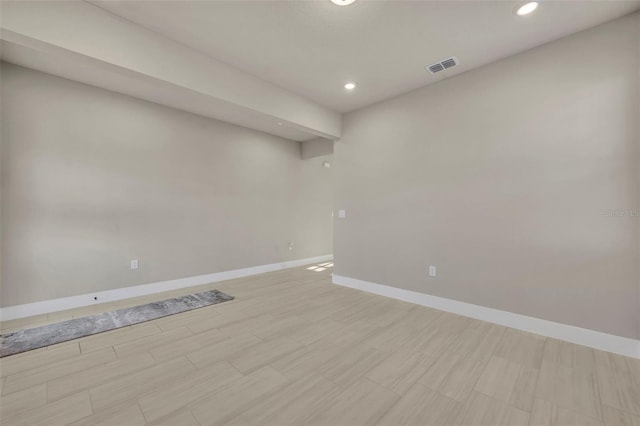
[[293, 349]]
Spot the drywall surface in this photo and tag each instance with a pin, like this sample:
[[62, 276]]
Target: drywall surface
[[80, 41], [513, 179], [92, 179], [318, 147]]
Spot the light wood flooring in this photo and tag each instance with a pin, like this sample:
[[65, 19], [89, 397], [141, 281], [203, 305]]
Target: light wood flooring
[[294, 349]]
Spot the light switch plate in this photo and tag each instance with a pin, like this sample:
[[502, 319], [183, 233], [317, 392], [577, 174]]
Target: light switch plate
[[342, 214]]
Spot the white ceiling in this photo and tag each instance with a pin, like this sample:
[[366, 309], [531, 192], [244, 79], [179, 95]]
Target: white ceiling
[[313, 47]]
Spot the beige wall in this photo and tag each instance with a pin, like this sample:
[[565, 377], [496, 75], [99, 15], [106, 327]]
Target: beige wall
[[92, 179], [501, 178], [316, 148]]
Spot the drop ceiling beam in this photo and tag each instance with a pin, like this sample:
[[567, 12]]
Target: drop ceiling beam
[[80, 41]]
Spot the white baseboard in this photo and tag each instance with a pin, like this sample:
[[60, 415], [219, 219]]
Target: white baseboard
[[64, 303], [581, 336]]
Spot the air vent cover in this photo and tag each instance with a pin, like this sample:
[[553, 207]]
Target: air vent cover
[[443, 65], [435, 68]]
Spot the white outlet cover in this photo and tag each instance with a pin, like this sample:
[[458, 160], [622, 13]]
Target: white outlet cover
[[342, 214], [432, 271], [134, 264]]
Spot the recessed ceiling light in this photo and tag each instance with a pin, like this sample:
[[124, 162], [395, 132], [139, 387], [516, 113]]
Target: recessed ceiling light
[[342, 2], [527, 8], [350, 85]]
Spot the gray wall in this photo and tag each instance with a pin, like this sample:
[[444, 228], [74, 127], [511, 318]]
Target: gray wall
[[316, 148], [501, 177], [92, 179]]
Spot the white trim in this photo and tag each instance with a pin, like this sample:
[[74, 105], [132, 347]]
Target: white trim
[[64, 303], [582, 336]]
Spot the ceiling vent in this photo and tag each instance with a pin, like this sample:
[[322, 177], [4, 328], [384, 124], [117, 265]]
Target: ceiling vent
[[444, 65]]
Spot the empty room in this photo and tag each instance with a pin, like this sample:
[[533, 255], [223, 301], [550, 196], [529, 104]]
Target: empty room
[[320, 212]]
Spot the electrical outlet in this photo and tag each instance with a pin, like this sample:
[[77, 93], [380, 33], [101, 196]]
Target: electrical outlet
[[432, 271], [134, 264], [290, 245]]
